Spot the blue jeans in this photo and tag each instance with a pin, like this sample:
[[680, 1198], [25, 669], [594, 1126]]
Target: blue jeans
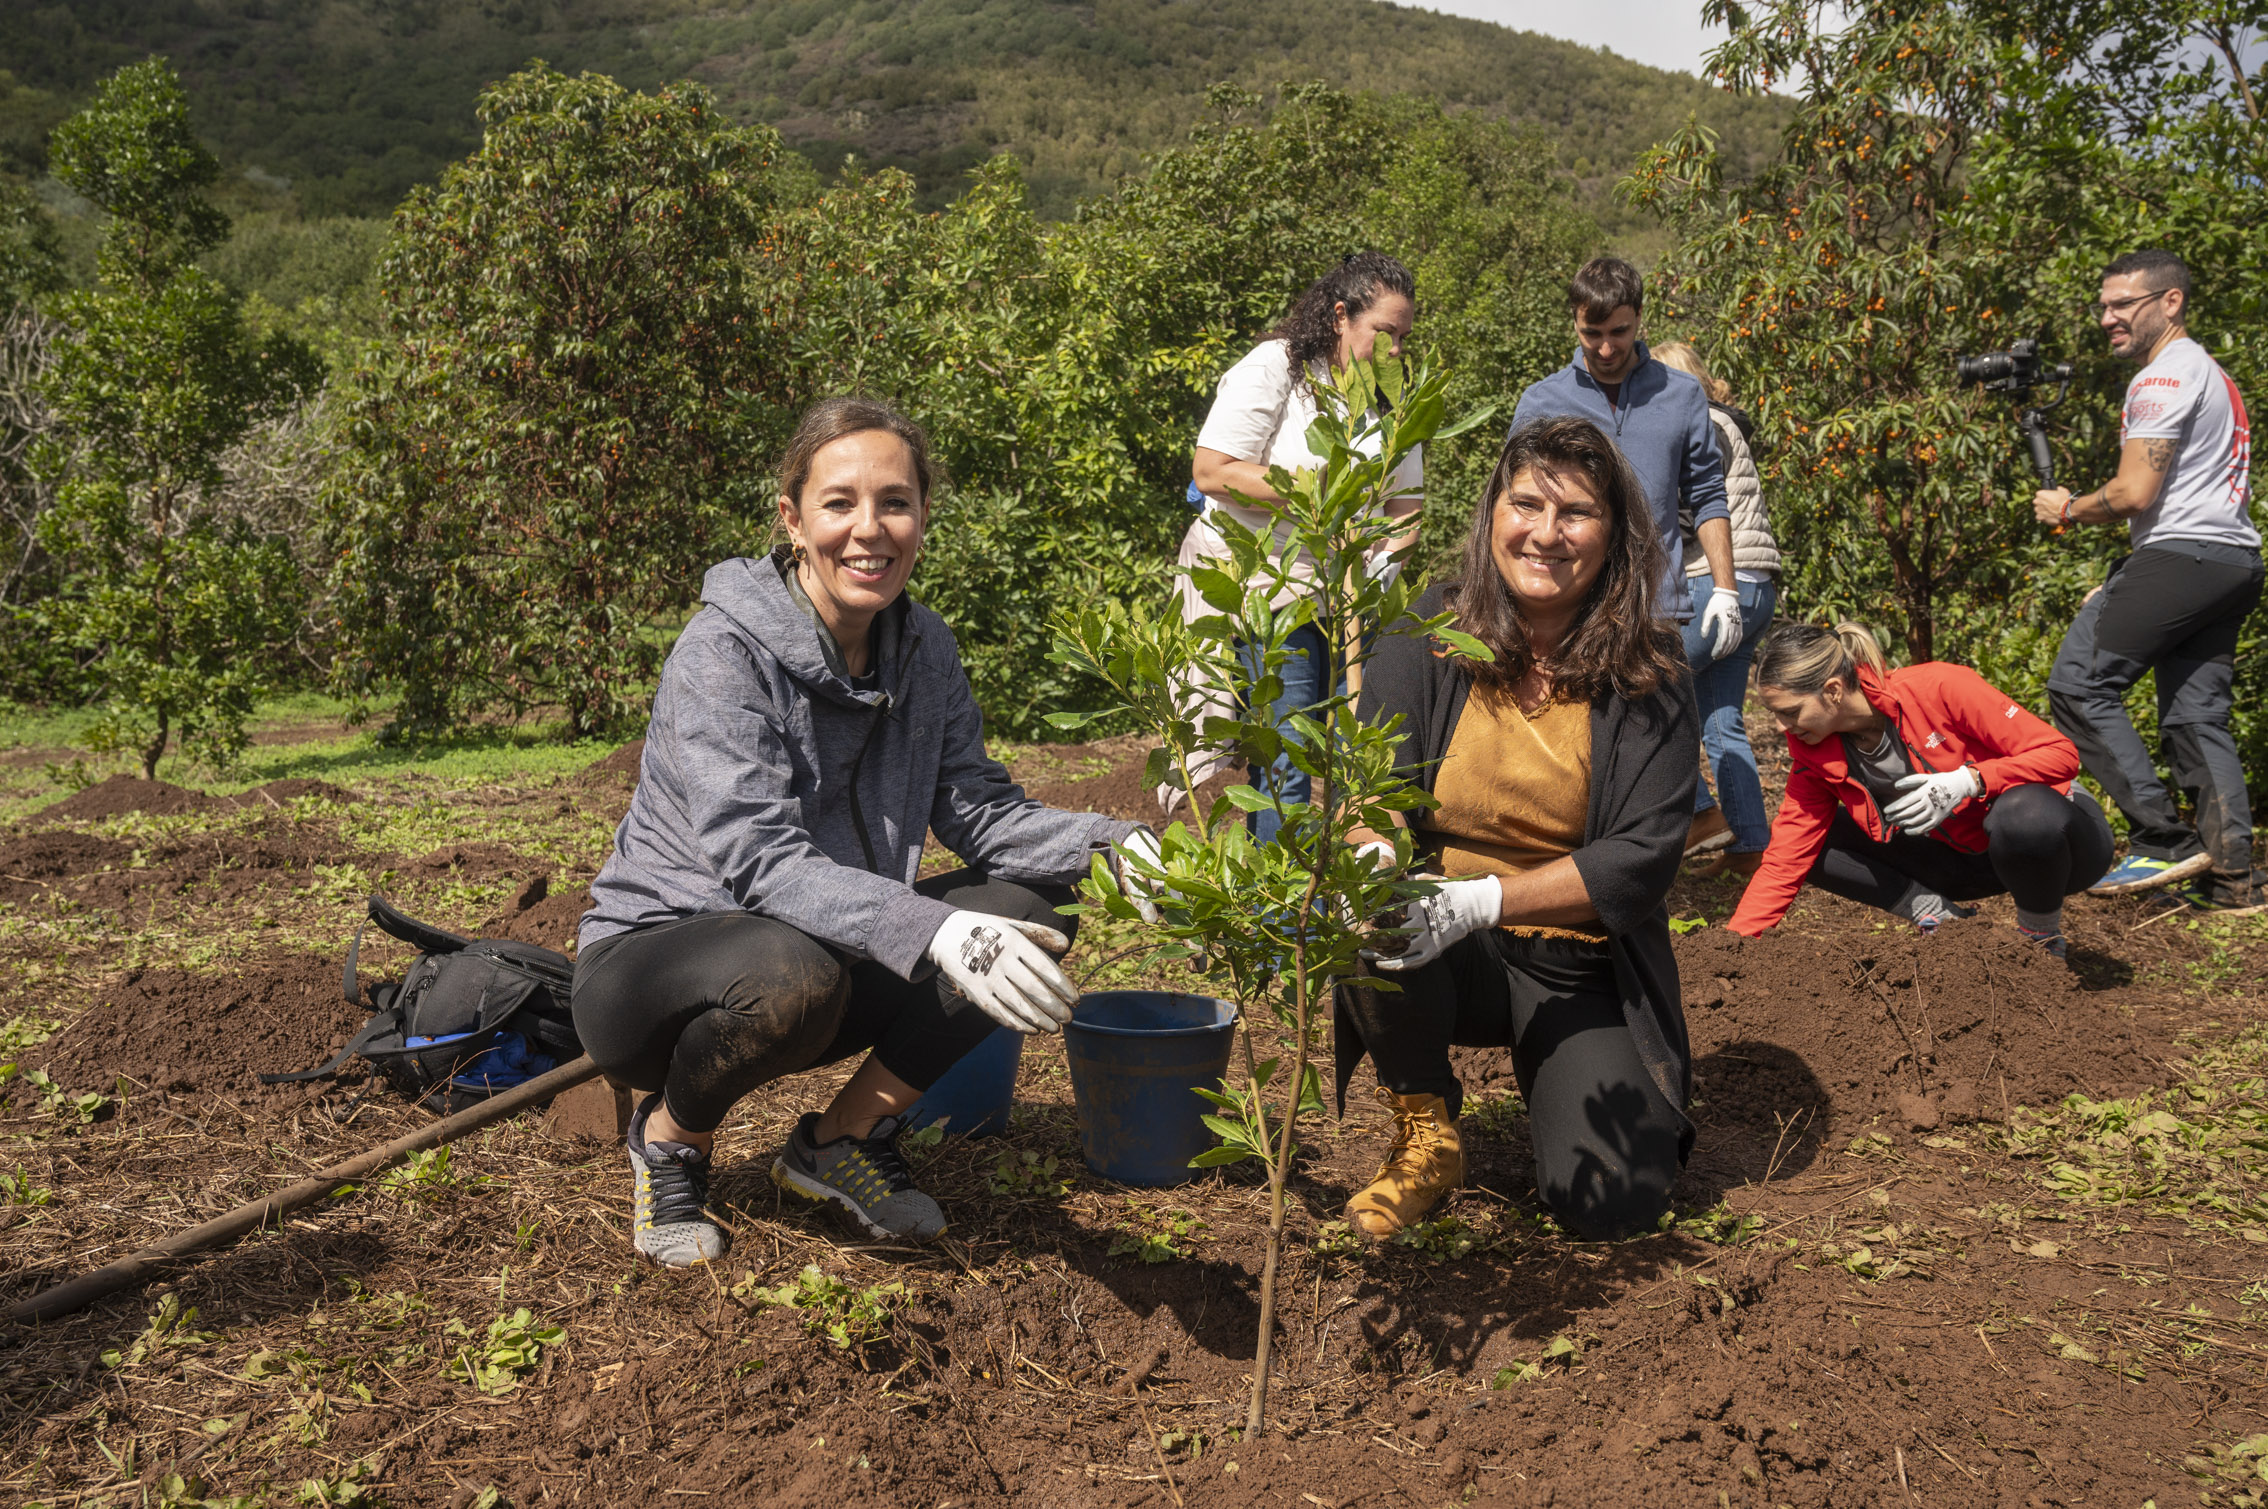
[[1310, 674], [1719, 687]]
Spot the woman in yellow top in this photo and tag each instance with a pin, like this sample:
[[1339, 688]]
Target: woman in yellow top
[[1564, 777]]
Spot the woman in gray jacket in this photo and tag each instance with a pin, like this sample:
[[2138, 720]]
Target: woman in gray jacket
[[1721, 686], [760, 914]]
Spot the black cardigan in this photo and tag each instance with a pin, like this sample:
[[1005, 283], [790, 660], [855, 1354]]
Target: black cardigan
[[1645, 756]]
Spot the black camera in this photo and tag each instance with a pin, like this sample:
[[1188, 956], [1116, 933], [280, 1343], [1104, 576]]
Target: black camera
[[2016, 372]]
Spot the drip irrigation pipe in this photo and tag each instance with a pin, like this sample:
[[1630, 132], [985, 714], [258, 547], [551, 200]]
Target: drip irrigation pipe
[[257, 1215]]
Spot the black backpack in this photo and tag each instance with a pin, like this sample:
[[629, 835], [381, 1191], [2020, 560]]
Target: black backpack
[[461, 1000]]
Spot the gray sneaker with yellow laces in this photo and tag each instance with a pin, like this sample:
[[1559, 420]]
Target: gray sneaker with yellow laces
[[863, 1177], [672, 1224]]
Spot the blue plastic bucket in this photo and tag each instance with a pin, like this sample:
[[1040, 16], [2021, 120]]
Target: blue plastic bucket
[[1137, 1060], [975, 1093]]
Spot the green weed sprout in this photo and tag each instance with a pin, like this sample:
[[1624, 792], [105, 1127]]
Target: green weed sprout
[[512, 1347], [1275, 927], [847, 1316]]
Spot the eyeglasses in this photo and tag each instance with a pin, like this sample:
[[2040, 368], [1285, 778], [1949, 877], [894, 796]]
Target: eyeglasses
[[2120, 306]]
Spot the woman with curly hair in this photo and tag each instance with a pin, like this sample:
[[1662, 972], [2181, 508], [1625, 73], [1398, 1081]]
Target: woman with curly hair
[[1563, 774], [1259, 420]]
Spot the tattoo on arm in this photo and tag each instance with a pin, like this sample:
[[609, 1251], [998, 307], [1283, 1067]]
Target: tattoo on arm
[[2159, 453]]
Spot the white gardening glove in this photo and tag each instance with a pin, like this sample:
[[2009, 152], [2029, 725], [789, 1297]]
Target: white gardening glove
[[1720, 621], [1930, 799], [1002, 967], [1379, 852], [1382, 568], [1456, 911], [1141, 844]]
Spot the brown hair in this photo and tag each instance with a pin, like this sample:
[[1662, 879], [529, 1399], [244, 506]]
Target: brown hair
[[830, 420], [1681, 355], [1605, 284], [1802, 658], [1614, 647]]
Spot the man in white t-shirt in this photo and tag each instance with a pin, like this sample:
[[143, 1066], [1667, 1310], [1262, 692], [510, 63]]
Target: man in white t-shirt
[[2175, 605]]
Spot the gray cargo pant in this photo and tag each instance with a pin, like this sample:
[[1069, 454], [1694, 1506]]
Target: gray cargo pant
[[2173, 608]]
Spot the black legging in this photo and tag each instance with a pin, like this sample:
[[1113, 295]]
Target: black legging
[[2040, 848], [708, 1008], [1606, 1142]]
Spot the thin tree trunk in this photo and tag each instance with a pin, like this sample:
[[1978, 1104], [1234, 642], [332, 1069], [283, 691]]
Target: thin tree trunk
[[152, 751], [1256, 1419]]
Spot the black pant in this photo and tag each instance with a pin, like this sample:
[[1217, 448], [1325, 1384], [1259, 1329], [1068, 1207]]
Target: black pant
[[1606, 1143], [707, 1008], [2173, 609], [2039, 848]]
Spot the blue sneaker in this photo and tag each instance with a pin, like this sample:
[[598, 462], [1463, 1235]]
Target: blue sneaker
[[2139, 872]]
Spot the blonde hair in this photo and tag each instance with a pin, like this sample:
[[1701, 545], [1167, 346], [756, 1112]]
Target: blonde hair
[[1682, 356], [1802, 658]]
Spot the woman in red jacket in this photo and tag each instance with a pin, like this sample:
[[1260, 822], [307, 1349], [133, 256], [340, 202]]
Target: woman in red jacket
[[1915, 790]]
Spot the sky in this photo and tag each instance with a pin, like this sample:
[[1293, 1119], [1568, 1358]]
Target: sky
[[1664, 33]]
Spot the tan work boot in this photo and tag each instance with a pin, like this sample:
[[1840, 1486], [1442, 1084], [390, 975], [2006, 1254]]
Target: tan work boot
[[1426, 1162], [1708, 832]]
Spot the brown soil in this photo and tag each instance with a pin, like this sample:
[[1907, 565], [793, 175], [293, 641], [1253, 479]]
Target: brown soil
[[1027, 1363], [620, 767], [122, 794], [541, 915], [169, 1030]]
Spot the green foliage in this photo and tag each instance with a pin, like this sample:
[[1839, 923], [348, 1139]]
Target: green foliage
[[496, 1361], [1837, 290], [1276, 927], [351, 1487], [427, 1175], [169, 1326], [847, 1316], [17, 1189], [568, 413], [1444, 1239], [355, 105], [79, 1107], [2240, 1470], [1149, 1235], [1498, 1116], [1561, 1351], [31, 261], [1061, 371], [179, 611], [1242, 1125], [2195, 1150], [1955, 176], [1026, 1173], [133, 154]]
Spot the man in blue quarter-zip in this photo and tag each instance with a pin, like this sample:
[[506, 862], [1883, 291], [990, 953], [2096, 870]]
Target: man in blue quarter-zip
[[1659, 418]]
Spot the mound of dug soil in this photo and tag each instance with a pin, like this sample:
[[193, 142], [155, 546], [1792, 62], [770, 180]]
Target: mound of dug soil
[[167, 1029], [619, 767], [1826, 1034], [1956, 1026], [50, 856], [469, 860], [542, 916], [122, 794]]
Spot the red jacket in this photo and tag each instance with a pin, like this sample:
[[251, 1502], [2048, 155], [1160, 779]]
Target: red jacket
[[1949, 716]]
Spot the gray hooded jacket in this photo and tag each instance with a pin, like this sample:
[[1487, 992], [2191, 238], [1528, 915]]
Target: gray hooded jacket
[[771, 785]]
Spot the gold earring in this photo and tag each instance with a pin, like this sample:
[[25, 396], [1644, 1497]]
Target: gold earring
[[795, 552]]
